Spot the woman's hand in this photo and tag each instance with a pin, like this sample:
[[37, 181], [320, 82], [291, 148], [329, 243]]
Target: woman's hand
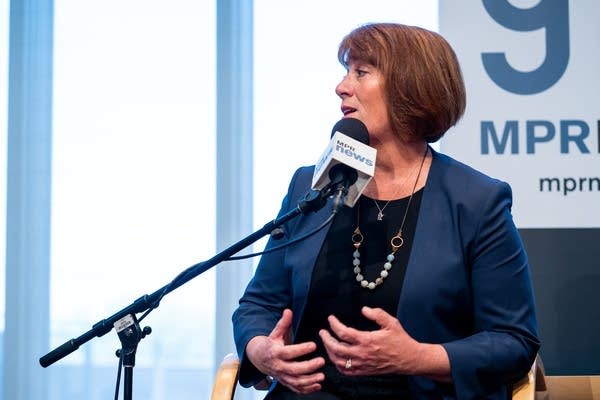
[[275, 357], [388, 350]]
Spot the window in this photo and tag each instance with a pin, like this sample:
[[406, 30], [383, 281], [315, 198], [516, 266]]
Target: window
[[133, 190]]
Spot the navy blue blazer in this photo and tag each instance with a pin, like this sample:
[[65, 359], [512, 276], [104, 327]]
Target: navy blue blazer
[[467, 284]]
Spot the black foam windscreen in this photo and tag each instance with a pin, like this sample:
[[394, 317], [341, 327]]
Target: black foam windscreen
[[353, 128]]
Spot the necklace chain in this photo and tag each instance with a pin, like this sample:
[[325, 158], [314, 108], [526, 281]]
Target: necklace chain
[[396, 242], [380, 213]]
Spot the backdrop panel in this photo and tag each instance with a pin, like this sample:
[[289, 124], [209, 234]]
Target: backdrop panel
[[533, 120]]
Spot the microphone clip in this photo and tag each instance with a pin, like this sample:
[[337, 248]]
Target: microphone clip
[[314, 200]]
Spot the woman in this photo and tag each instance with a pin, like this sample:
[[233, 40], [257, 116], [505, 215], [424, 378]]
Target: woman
[[422, 290]]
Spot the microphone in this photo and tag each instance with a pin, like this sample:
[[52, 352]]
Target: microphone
[[348, 163]]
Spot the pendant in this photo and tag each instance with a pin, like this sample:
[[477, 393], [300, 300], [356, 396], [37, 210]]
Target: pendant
[[380, 216]]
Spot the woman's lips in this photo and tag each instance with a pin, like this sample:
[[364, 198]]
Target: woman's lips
[[348, 110]]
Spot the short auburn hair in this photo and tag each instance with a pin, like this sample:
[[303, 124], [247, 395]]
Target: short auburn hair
[[423, 83]]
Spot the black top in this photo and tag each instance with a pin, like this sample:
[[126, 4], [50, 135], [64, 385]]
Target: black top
[[334, 289]]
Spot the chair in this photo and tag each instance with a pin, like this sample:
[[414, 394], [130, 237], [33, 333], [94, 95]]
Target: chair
[[579, 387], [539, 386], [530, 387], [226, 378]]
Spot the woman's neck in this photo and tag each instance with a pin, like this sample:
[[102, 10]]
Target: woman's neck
[[396, 169]]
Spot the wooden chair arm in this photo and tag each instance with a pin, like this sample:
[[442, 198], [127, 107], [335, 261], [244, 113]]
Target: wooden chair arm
[[226, 378], [526, 387]]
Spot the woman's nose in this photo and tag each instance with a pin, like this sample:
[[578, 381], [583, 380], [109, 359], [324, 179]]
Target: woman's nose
[[343, 88]]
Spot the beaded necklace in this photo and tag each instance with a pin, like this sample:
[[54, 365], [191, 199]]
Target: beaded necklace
[[396, 242]]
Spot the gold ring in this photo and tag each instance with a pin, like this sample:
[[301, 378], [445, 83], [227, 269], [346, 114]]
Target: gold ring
[[348, 363]]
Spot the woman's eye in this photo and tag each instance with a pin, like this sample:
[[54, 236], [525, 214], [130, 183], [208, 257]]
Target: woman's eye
[[361, 72]]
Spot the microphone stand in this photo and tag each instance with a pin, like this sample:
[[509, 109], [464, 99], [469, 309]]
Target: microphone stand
[[125, 321]]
